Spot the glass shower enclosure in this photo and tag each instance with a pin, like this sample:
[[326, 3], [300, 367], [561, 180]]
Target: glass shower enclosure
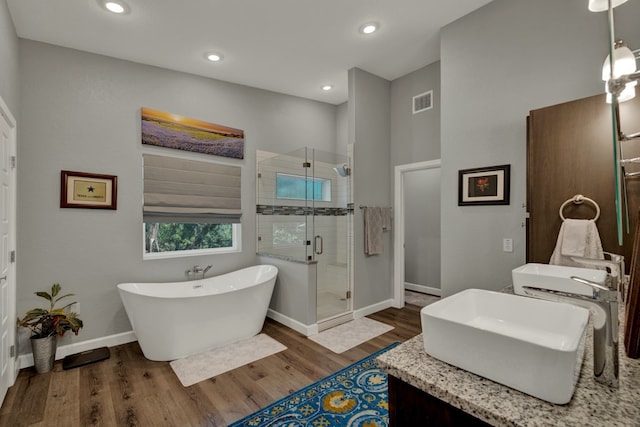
[[304, 214]]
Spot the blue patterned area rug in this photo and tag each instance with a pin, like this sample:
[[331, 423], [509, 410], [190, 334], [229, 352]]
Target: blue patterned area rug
[[355, 396]]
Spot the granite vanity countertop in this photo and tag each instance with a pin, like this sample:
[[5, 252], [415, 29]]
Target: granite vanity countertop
[[593, 404]]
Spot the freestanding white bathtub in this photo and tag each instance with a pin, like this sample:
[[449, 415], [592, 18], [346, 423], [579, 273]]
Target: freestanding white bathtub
[[174, 320]]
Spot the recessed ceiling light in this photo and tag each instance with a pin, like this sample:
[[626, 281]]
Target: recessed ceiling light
[[369, 28], [326, 88], [214, 56], [115, 6]]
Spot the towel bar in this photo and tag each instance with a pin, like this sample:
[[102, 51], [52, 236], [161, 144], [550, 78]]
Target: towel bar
[[578, 199], [364, 206]]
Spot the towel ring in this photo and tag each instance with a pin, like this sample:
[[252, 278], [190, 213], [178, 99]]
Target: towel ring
[[578, 199]]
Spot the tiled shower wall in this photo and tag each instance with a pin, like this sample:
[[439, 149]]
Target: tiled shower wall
[[330, 222], [295, 214]]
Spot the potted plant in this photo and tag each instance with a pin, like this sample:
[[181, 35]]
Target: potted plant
[[46, 325]]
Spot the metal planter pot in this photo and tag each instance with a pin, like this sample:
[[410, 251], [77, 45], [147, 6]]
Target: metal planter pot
[[44, 353]]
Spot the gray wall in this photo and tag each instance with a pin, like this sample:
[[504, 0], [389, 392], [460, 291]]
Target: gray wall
[[415, 137], [82, 113], [295, 293], [497, 64], [8, 60], [342, 129], [369, 131]]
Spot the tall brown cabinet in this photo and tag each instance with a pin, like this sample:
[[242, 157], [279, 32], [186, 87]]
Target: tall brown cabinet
[[570, 152]]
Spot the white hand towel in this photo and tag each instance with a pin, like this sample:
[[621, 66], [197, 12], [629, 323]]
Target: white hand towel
[[574, 237], [577, 237]]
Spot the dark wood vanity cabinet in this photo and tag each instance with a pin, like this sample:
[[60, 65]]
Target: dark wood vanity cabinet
[[412, 407]]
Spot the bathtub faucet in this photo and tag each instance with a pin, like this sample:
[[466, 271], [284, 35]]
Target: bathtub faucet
[[197, 272]]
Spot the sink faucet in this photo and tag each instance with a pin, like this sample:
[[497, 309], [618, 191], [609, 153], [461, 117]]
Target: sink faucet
[[603, 306]]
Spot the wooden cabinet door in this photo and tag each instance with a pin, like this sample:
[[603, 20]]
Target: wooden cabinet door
[[570, 152]]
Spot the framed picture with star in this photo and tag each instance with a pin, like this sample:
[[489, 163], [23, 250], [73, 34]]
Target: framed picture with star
[[484, 186], [88, 190]]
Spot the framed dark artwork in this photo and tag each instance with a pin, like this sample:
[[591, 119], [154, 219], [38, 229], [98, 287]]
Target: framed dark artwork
[[88, 190], [484, 186], [183, 133]]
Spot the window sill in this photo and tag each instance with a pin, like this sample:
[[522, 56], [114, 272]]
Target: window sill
[[189, 253]]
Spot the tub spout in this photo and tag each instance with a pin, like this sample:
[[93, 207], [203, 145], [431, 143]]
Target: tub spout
[[197, 272]]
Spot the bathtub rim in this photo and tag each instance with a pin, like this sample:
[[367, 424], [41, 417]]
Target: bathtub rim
[[126, 286]]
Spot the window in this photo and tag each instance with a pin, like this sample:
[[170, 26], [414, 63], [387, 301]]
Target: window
[[190, 207], [298, 187], [174, 239]]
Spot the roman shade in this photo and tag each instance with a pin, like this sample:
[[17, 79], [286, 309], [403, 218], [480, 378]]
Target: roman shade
[[190, 191]]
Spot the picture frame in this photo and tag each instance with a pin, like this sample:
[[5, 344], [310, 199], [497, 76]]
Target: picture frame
[[169, 130], [484, 186], [88, 190]]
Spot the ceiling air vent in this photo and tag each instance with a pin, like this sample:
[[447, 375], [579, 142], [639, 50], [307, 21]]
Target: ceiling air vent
[[423, 102]]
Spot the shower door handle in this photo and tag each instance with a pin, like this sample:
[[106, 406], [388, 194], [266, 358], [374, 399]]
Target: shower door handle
[[321, 245]]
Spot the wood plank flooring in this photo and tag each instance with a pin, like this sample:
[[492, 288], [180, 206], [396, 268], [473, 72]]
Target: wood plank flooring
[[129, 390]]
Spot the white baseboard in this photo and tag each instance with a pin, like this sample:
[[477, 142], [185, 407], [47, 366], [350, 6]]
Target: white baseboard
[[26, 360], [362, 312], [308, 330], [423, 289], [305, 330]]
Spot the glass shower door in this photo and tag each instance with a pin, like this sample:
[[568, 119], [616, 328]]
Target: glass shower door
[[304, 215], [329, 225]]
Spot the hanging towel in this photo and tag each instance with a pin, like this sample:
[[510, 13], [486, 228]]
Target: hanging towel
[[373, 225], [577, 237]]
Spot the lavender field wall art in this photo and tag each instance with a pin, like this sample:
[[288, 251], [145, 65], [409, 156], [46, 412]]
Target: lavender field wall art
[[183, 133]]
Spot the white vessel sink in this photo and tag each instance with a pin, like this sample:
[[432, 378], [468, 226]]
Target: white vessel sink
[[530, 345], [555, 278]]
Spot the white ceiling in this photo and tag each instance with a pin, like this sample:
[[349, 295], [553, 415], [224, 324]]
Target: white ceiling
[[286, 46]]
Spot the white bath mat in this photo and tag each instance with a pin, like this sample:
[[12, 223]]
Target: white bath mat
[[350, 334], [419, 299], [199, 367]]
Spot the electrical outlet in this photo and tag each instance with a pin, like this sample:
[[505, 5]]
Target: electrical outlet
[[507, 245]]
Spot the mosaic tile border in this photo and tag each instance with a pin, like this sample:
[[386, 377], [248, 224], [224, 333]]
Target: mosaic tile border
[[302, 210]]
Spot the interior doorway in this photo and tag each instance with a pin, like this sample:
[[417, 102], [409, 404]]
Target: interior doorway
[[7, 249], [416, 229]]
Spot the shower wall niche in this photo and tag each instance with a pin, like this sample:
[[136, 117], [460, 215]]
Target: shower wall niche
[[304, 215]]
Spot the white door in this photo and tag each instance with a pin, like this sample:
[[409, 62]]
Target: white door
[[7, 247]]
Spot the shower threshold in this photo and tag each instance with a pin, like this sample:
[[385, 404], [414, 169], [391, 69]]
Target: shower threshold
[[330, 322]]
